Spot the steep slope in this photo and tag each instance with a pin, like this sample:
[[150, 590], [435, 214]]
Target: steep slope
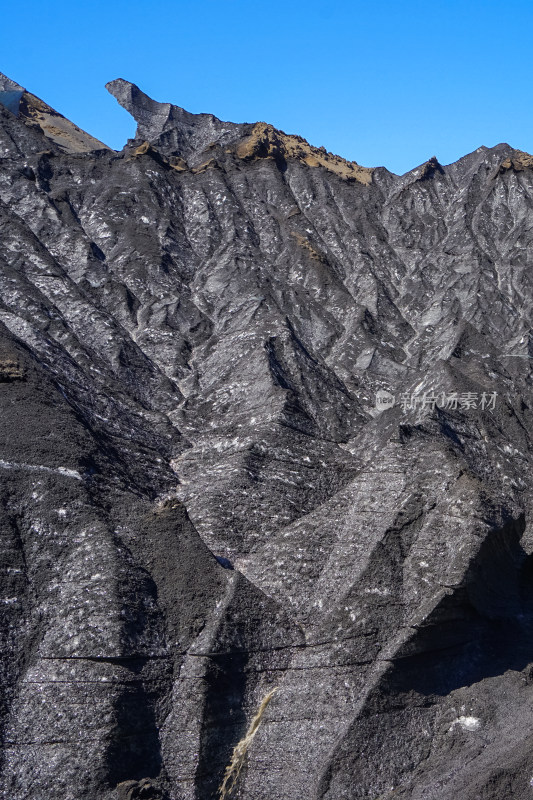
[[201, 499]]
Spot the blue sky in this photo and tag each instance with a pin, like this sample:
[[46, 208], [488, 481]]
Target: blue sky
[[384, 83]]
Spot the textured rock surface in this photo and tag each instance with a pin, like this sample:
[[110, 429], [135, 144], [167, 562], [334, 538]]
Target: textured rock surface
[[199, 499]]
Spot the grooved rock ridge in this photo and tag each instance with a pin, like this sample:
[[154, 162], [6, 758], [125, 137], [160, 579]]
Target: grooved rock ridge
[[200, 499]]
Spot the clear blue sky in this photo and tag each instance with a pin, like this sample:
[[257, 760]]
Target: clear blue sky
[[384, 83]]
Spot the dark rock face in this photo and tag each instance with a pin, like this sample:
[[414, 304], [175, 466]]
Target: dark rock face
[[200, 500]]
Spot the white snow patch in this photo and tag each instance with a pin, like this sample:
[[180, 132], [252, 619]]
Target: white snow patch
[[69, 473], [466, 723]]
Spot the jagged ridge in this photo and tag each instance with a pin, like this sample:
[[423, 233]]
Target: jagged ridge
[[201, 500]]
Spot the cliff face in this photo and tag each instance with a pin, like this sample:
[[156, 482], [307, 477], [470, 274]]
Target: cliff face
[[200, 500]]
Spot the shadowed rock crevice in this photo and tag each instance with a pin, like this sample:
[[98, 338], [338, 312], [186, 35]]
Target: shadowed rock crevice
[[224, 719], [480, 631], [134, 750]]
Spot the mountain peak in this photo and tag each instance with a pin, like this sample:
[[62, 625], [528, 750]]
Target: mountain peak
[[262, 426], [176, 132], [7, 85], [266, 141], [37, 114]]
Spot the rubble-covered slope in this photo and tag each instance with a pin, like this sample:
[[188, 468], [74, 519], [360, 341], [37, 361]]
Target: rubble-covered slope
[[200, 499]]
